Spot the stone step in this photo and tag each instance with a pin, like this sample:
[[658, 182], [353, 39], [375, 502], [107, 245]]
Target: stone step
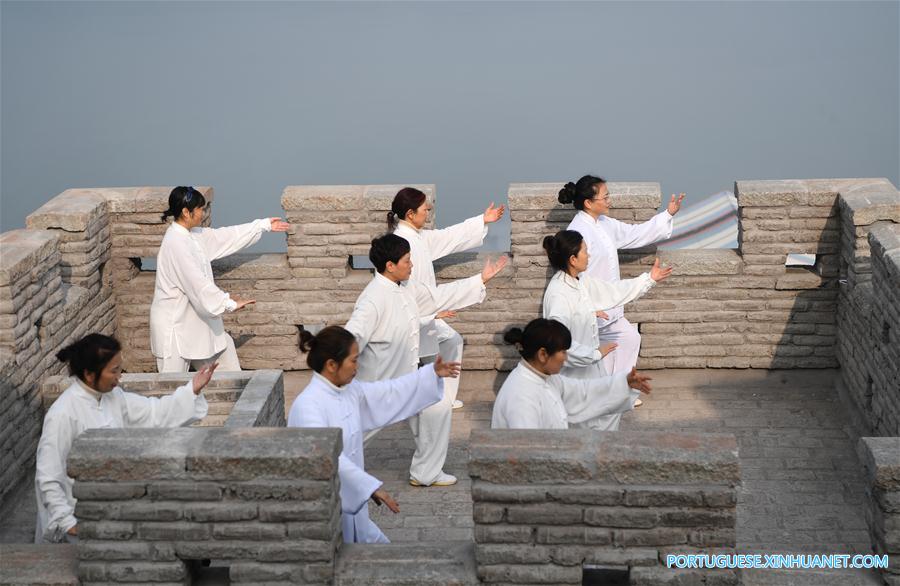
[[38, 565], [407, 564]]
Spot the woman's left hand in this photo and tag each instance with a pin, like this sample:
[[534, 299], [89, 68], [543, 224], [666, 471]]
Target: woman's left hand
[[657, 273], [492, 214], [445, 369], [279, 225], [201, 379], [675, 204]]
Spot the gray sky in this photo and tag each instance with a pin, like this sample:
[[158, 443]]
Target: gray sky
[[252, 96]]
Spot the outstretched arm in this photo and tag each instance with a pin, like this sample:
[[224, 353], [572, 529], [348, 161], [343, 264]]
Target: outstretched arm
[[657, 228], [456, 238], [221, 242], [385, 402]]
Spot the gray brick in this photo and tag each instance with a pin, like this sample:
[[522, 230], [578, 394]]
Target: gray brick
[[258, 531]]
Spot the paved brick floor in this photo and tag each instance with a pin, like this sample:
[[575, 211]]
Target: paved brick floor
[[801, 479]]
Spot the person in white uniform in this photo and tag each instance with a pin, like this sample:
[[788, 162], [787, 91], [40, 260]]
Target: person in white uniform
[[575, 299], [386, 323], [536, 396], [186, 328], [95, 400], [407, 218], [604, 237], [335, 398]]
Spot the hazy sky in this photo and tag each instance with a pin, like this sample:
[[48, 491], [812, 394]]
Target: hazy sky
[[252, 96]]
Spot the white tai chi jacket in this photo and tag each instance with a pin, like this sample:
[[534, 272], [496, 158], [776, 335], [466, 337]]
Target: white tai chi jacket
[[530, 399], [426, 246], [185, 316], [605, 236], [357, 408], [386, 321], [78, 409], [574, 303]]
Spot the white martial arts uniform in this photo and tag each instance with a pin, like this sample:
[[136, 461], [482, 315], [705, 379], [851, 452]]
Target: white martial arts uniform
[[357, 408], [436, 336], [530, 399], [386, 320], [574, 303], [186, 314], [78, 409], [604, 237]]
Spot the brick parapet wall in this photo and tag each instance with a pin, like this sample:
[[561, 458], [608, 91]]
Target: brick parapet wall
[[549, 503], [78, 269], [880, 457], [264, 500]]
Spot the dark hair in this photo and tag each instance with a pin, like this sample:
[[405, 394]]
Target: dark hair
[[539, 333], [332, 343], [91, 353], [408, 198], [561, 246], [183, 197], [577, 193], [387, 248]]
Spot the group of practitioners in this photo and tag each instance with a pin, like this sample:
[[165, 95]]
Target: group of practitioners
[[395, 359]]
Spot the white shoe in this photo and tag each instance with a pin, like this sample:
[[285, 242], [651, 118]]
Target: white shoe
[[457, 404], [443, 479], [638, 403]]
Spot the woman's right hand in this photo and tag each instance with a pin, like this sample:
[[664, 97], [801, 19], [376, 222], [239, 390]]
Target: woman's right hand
[[381, 496], [607, 348], [638, 381], [445, 369], [242, 303]]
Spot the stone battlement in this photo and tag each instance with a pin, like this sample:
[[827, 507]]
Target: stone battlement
[[78, 269]]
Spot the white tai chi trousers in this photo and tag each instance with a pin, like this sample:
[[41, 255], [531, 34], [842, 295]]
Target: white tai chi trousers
[[227, 359], [626, 335], [431, 427]]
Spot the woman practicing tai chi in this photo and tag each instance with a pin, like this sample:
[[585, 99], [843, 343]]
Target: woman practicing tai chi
[[385, 322], [604, 237], [186, 326], [536, 396], [576, 299], [409, 212], [333, 398], [94, 399]]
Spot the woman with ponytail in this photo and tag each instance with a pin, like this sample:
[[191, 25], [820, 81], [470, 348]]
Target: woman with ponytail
[[407, 218], [536, 396], [335, 398], [94, 399], [604, 237], [186, 326], [576, 300]]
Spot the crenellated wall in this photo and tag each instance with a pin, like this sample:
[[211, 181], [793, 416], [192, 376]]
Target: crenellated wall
[[77, 269]]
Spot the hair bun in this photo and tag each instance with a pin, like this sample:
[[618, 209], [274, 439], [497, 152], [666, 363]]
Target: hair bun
[[513, 336], [567, 193], [549, 242], [307, 340]]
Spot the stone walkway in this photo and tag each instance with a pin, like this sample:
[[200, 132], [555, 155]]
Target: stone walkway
[[802, 488]]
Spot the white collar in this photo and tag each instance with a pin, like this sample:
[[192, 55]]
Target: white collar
[[406, 226], [568, 279], [385, 282], [328, 384], [94, 394], [533, 371], [587, 217]]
